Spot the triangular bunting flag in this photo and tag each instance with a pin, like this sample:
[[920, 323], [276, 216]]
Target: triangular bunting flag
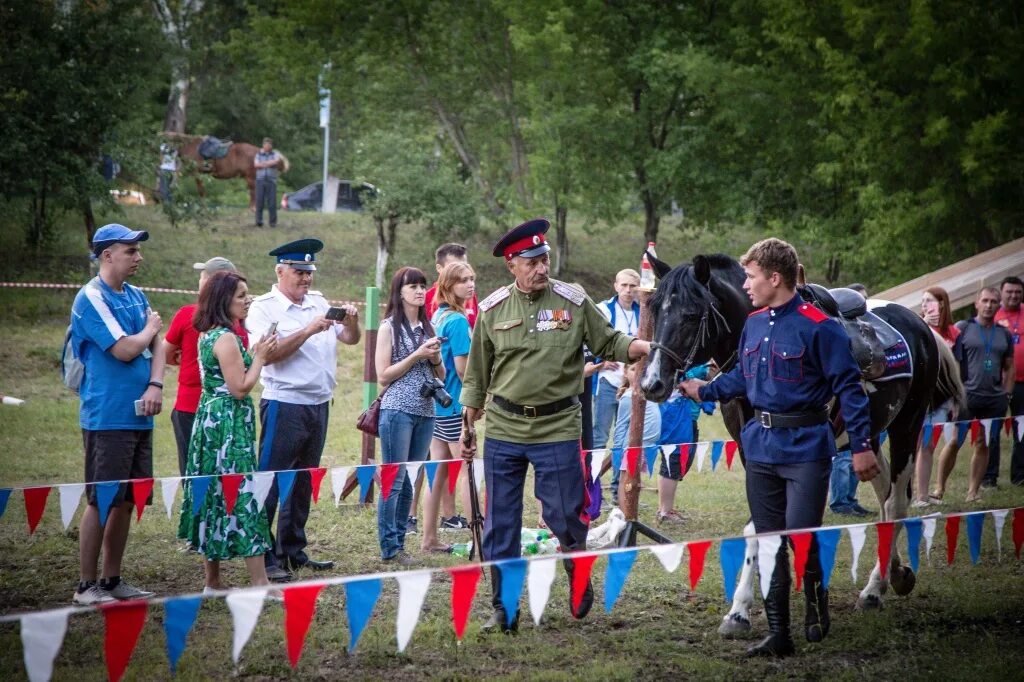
[[619, 566], [262, 482], [650, 455], [364, 474], [731, 556], [513, 572], [430, 467], [200, 484], [168, 488], [1018, 530], [412, 590], [986, 427], [142, 488], [124, 623], [230, 483], [828, 545], [928, 523], [285, 483], [857, 534], [35, 503], [975, 430], [702, 453], [180, 617], [913, 528], [412, 470], [767, 549], [360, 598], [668, 555], [801, 547], [42, 635], [70, 496], [1020, 427], [936, 435], [582, 565], [617, 459], [716, 453], [885, 531], [245, 609], [454, 467], [730, 450], [975, 523], [299, 607], [316, 478], [999, 519], [952, 535], [5, 494], [684, 458], [698, 551], [666, 456], [948, 432], [962, 429], [1008, 426], [596, 461], [540, 575], [478, 472], [632, 460], [339, 475], [882, 437], [464, 582], [105, 493], [388, 474]]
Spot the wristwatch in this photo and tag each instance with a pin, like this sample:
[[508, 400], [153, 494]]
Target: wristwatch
[[156, 383]]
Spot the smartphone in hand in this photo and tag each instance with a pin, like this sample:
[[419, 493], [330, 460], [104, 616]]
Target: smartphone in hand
[[140, 411], [335, 314], [272, 330]]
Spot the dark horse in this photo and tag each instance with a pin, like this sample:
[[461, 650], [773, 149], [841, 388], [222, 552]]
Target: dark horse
[[237, 163], [699, 311]]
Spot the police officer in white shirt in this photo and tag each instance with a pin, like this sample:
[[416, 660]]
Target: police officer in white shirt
[[298, 384]]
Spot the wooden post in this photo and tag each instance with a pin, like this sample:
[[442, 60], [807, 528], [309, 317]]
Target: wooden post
[[629, 484], [368, 453]]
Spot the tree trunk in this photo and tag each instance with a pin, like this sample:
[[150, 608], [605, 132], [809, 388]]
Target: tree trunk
[[561, 239], [175, 23], [652, 217], [177, 103], [38, 229], [382, 253], [90, 222]]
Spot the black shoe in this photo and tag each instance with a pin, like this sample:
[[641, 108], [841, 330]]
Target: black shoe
[[587, 600], [498, 622], [259, 224], [776, 609], [988, 483], [410, 525], [276, 574], [312, 564], [453, 523]]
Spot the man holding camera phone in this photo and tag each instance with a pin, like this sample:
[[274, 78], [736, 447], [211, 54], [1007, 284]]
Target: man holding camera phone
[[298, 384]]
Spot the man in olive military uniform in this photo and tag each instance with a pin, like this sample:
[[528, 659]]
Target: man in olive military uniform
[[527, 353]]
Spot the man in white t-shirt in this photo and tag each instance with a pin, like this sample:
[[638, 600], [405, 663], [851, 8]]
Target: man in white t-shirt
[[298, 384]]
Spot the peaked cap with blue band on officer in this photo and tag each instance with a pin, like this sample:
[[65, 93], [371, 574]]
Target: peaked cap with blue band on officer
[[299, 254], [526, 240]]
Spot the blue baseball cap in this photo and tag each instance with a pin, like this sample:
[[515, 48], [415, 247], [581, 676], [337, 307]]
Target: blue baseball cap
[[115, 233]]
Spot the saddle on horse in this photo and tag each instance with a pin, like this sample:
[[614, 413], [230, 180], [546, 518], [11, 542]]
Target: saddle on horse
[[211, 148]]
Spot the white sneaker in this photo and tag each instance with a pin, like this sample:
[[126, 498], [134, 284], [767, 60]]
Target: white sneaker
[[125, 590], [214, 592], [93, 595]]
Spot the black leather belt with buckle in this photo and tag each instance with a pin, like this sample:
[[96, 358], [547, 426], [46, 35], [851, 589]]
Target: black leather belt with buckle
[[535, 410], [789, 420]]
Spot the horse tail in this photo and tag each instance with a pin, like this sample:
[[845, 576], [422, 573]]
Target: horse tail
[[284, 165], [948, 384]]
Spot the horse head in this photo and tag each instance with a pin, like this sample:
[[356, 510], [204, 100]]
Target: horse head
[[698, 311]]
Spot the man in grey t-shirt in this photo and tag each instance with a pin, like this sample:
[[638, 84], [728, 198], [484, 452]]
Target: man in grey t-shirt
[[266, 163]]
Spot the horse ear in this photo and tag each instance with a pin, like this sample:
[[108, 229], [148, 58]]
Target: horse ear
[[702, 269], [801, 278], [661, 268]]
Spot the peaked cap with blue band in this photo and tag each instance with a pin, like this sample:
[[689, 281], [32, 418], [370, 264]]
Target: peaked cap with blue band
[[299, 254]]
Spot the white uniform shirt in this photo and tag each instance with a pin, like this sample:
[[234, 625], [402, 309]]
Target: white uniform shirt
[[307, 376], [625, 321]]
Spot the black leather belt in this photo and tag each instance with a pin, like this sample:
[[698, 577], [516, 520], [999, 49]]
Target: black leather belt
[[789, 420], [535, 410]]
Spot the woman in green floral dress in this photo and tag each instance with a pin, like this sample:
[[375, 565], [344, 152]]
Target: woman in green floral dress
[[224, 435]]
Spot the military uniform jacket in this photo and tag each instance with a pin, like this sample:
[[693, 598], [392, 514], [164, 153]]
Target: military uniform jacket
[[528, 349], [794, 359]]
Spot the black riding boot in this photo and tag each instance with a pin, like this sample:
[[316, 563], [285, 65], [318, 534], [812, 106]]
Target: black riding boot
[[588, 594], [776, 610], [498, 620], [817, 620]]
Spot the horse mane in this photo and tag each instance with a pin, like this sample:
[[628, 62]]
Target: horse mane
[[681, 279]]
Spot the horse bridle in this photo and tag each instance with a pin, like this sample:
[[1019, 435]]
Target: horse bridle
[[701, 336]]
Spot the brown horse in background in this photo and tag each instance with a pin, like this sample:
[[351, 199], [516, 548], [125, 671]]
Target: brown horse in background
[[237, 163]]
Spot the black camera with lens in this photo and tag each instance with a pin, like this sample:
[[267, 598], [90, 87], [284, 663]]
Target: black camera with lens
[[434, 388]]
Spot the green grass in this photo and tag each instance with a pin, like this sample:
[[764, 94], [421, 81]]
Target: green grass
[[961, 622]]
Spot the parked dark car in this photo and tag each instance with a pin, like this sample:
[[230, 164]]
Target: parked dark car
[[310, 197]]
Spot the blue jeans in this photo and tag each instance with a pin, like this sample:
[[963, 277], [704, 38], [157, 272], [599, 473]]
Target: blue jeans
[[404, 437], [843, 482], [605, 404]]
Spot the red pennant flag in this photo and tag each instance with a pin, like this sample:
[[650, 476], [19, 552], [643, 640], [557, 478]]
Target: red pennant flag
[[141, 490], [1018, 529], [1008, 425], [801, 546], [632, 460], [231, 483], [730, 450], [975, 430], [684, 458], [124, 621], [299, 607], [35, 503], [952, 534], [464, 582], [580, 578], [936, 434], [388, 473], [316, 477], [697, 550], [453, 474], [885, 531]]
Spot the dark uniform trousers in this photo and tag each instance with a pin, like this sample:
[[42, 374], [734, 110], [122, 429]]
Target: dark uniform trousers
[[558, 485], [291, 437], [787, 496]]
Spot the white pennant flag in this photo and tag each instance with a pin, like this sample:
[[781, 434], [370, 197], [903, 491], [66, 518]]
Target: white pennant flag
[[999, 515], [169, 487], [928, 524], [412, 470], [70, 496], [245, 611], [666, 456], [949, 432], [702, 453], [42, 635], [1020, 427], [412, 590], [338, 477], [987, 425], [857, 534], [261, 483], [596, 460], [669, 555], [478, 472], [538, 580], [767, 550]]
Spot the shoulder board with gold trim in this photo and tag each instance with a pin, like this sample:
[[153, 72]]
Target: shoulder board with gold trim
[[568, 292], [759, 310], [494, 299], [811, 313]]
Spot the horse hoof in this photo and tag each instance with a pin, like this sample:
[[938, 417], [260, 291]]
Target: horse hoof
[[903, 580], [734, 625], [869, 603]]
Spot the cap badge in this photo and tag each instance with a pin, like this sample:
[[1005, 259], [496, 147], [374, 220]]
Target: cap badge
[[309, 257]]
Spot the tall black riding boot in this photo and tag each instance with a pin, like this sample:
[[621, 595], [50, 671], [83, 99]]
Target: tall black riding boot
[[498, 620], [817, 620], [588, 593], [776, 610]]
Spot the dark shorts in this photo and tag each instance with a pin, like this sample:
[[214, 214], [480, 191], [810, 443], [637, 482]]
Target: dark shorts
[[117, 456], [448, 429], [985, 408], [672, 468]]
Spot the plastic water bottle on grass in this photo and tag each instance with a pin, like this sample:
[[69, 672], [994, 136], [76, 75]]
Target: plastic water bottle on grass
[[462, 549]]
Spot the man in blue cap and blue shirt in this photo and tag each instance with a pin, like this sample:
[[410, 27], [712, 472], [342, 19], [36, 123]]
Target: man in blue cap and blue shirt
[[298, 384], [116, 336], [527, 355]]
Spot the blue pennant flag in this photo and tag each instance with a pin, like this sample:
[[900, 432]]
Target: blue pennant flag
[[431, 469], [200, 485], [650, 454], [268, 434], [180, 617], [619, 566], [882, 437], [616, 458], [828, 542], [975, 522], [961, 432], [716, 452], [285, 482], [732, 552], [360, 598], [365, 476], [913, 528], [105, 493], [513, 572], [5, 494]]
